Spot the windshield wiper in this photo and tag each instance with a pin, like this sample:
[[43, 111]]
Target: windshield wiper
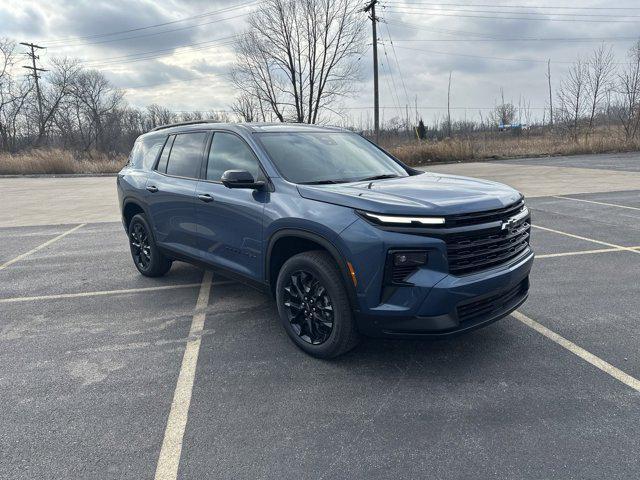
[[379, 177], [323, 182]]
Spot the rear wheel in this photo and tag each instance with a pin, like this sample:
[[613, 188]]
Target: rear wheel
[[314, 306], [147, 258]]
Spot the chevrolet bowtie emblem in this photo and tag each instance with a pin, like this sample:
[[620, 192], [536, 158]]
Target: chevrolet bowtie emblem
[[513, 221]]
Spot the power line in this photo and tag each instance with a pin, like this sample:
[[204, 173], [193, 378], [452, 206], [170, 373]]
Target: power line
[[511, 40], [484, 37], [202, 15], [496, 15], [155, 33], [97, 64], [413, 26], [170, 49], [491, 58], [135, 87], [393, 48], [393, 90], [202, 77], [431, 107], [494, 5]]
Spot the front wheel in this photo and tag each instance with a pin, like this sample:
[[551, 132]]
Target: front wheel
[[147, 257], [314, 306]]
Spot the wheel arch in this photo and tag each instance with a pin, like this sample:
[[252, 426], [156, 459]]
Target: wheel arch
[[130, 208], [273, 261]]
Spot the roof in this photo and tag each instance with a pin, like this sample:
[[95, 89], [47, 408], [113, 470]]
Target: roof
[[251, 127]]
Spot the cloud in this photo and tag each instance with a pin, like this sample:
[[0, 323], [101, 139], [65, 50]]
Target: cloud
[[19, 22], [184, 78]]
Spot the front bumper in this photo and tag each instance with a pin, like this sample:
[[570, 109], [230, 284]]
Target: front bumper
[[457, 304]]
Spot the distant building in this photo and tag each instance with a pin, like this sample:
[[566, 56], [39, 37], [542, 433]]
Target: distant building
[[512, 126]]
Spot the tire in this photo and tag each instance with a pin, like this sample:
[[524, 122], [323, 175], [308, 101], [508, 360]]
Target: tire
[[311, 295], [146, 255]]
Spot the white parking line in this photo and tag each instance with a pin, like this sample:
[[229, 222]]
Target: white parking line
[[607, 244], [40, 247], [580, 352], [97, 293], [597, 203], [171, 449], [583, 252]]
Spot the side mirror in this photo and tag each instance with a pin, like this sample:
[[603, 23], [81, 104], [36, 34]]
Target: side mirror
[[240, 179]]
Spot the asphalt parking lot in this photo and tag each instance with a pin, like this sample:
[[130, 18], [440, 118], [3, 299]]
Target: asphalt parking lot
[[107, 374]]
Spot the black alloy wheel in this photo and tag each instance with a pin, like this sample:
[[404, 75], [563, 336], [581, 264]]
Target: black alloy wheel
[[309, 307], [140, 247], [147, 257], [313, 305]]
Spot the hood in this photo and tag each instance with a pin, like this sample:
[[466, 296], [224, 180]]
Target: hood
[[424, 194]]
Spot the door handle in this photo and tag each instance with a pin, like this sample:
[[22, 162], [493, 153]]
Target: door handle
[[205, 197], [152, 188]]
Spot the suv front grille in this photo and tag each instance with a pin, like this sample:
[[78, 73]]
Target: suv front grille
[[465, 219], [468, 253], [478, 241]]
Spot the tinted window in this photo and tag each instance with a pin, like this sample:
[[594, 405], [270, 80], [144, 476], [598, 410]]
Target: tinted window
[[145, 152], [316, 157], [186, 154], [229, 152], [164, 156], [135, 157], [151, 147]]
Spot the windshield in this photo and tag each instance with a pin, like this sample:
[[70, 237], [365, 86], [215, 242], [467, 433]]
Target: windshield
[[327, 157]]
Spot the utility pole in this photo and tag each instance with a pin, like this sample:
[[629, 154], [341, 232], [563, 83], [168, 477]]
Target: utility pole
[[34, 72], [449, 106], [376, 100], [550, 97]]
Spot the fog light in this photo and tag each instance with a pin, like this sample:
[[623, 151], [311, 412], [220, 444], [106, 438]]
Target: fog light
[[401, 264], [402, 259]]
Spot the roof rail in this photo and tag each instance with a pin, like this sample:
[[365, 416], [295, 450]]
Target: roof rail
[[179, 124]]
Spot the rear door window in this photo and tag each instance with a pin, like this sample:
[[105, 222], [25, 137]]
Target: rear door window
[[186, 154]]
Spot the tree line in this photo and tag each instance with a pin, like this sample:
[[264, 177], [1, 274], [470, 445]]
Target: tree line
[[78, 109]]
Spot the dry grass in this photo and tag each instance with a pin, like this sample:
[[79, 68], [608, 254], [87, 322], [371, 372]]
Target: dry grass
[[58, 161], [413, 152], [508, 146]]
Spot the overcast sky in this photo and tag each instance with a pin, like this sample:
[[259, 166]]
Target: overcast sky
[[486, 48]]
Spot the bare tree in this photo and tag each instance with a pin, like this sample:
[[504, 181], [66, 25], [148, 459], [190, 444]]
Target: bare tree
[[7, 60], [99, 100], [299, 57], [60, 79], [504, 113], [628, 89], [599, 75], [247, 108], [13, 95], [157, 115], [572, 96], [190, 116]]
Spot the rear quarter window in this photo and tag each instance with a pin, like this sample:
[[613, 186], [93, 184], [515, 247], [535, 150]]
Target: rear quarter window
[[135, 156], [145, 151]]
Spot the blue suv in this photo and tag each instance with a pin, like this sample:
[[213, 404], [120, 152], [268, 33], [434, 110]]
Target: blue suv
[[349, 240]]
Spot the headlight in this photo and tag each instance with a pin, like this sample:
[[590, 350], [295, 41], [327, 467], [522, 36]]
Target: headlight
[[394, 220]]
